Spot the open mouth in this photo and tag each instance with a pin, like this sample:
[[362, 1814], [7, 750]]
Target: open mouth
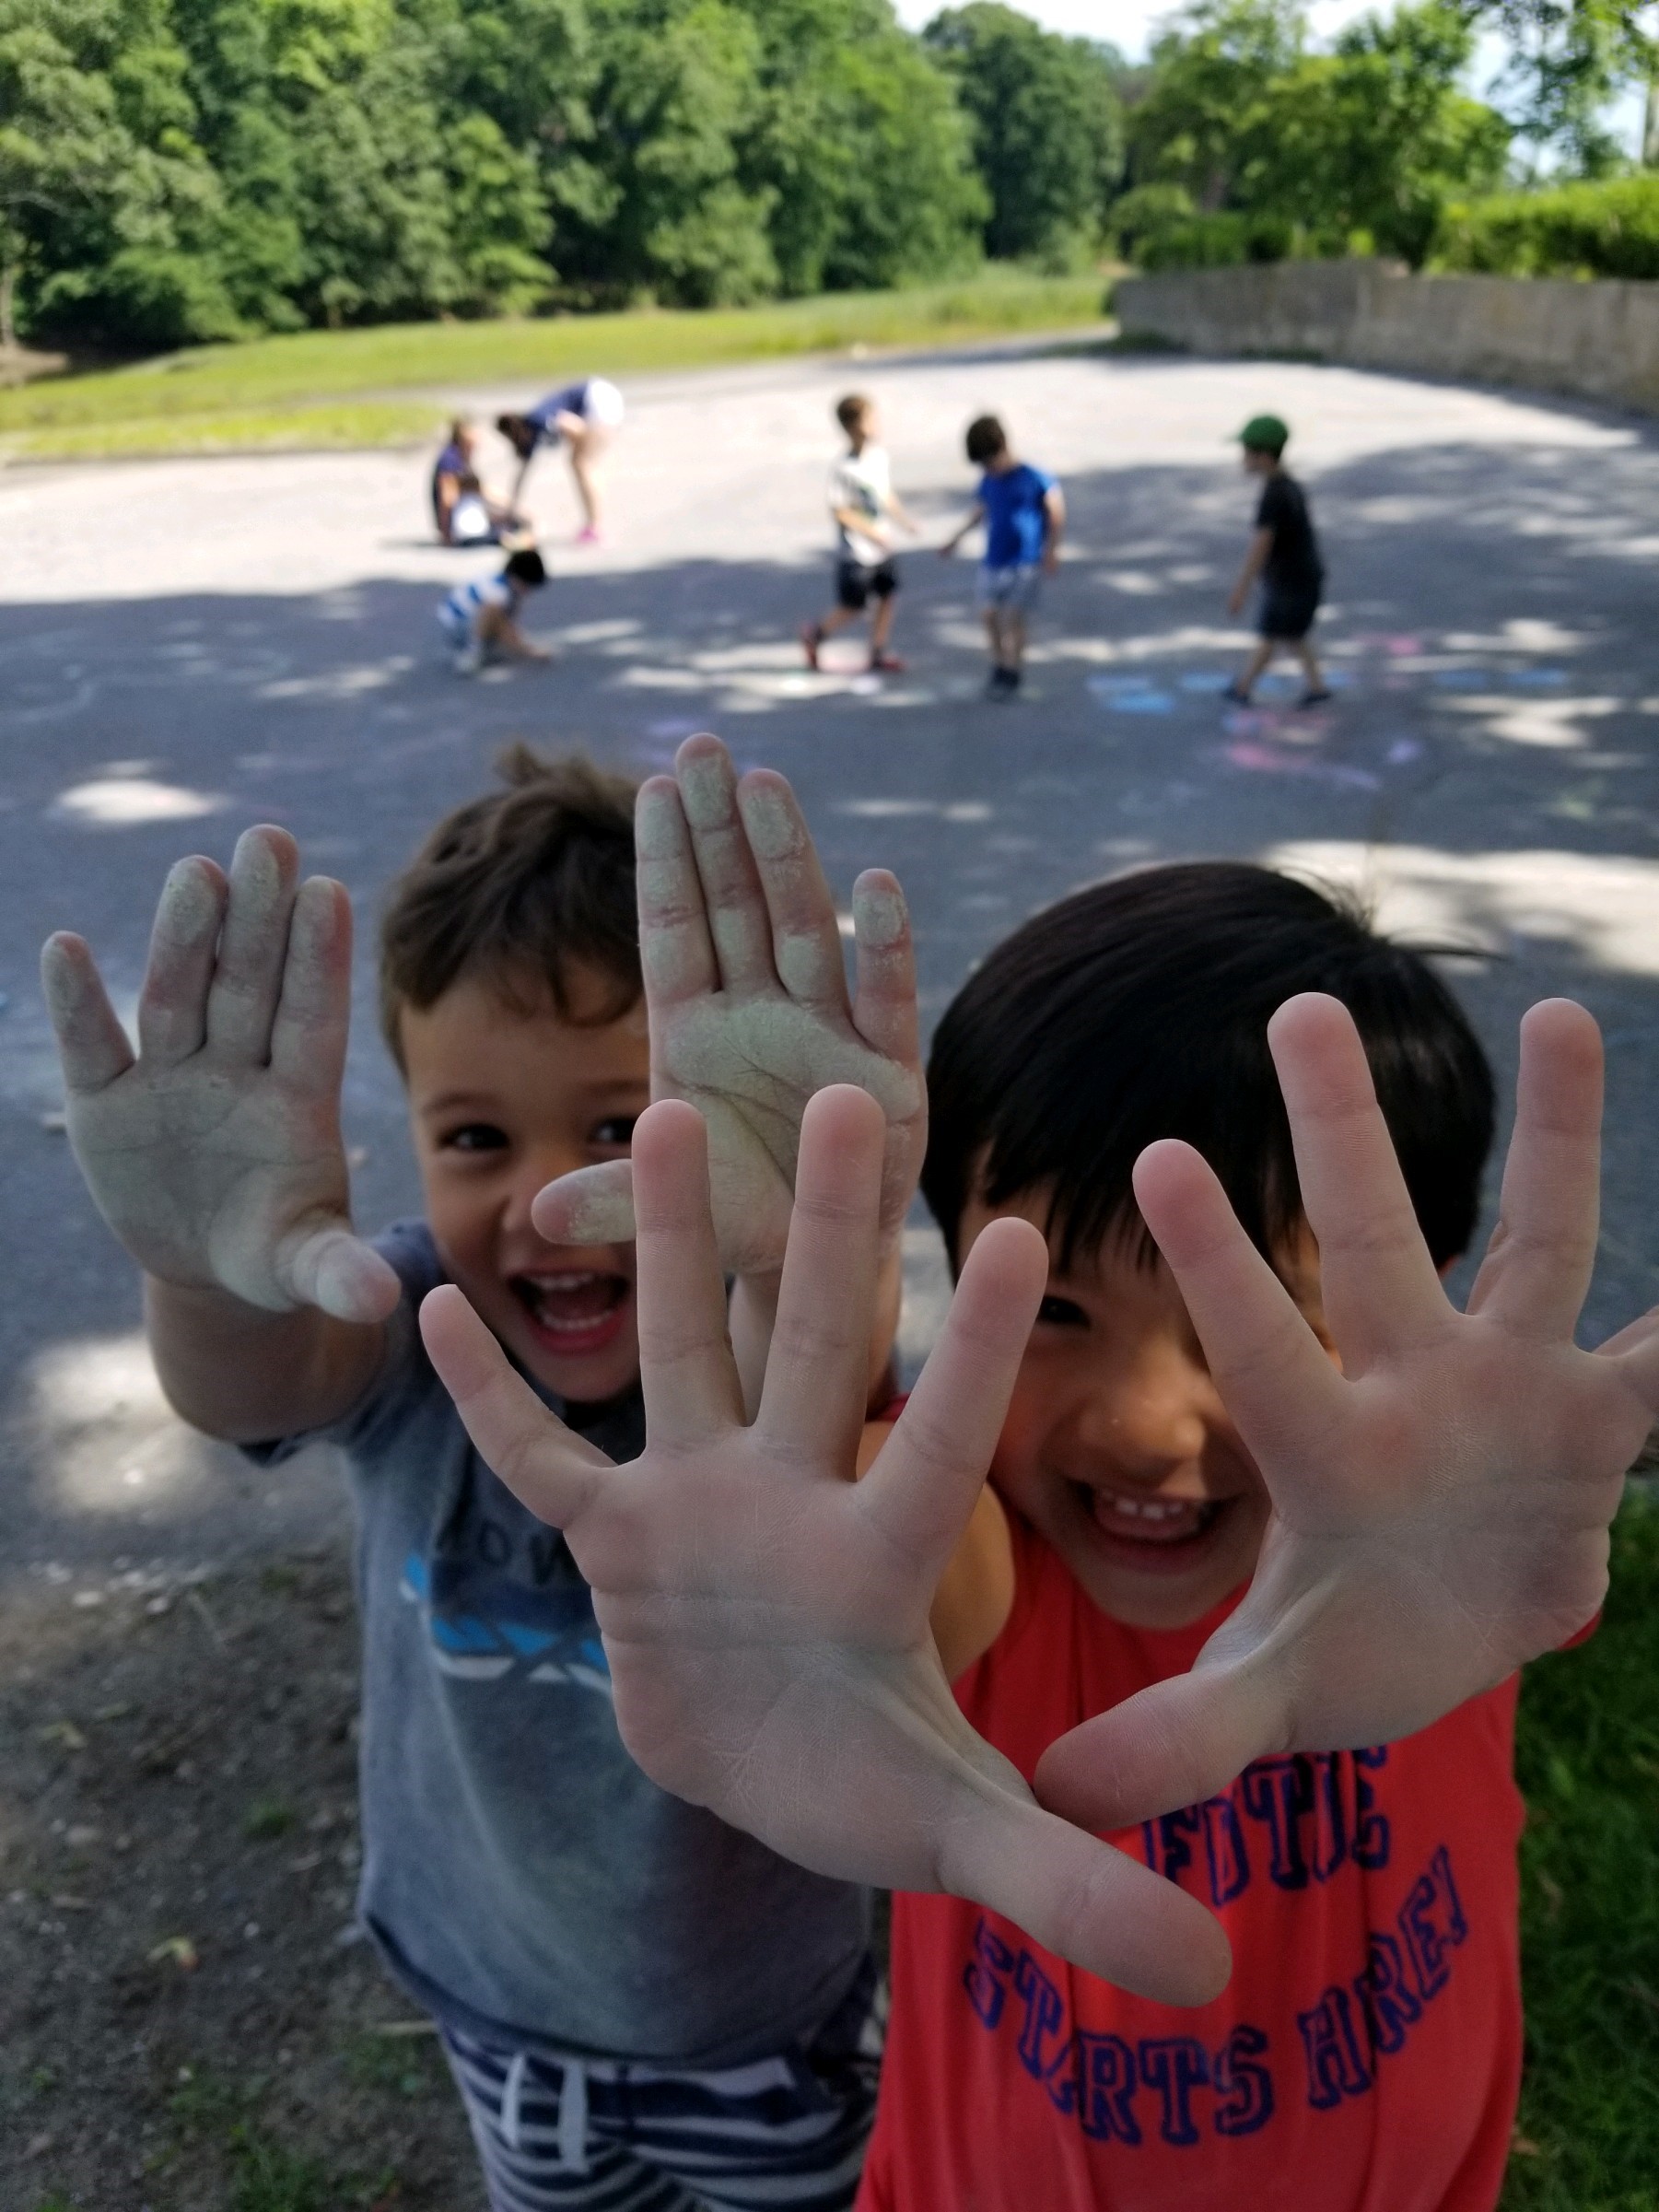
[[1155, 1532], [575, 1310]]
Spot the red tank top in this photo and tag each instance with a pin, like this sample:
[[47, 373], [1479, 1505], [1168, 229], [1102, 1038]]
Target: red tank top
[[1365, 2057]]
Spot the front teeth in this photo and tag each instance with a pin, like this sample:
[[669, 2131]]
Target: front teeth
[[1149, 1509]]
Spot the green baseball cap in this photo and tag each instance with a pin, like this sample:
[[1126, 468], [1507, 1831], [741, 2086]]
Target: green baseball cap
[[1264, 434]]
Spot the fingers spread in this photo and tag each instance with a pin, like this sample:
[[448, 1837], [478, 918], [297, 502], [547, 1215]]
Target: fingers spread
[[1268, 1364], [313, 1012], [556, 1475], [1378, 1283], [818, 1370], [685, 1365], [806, 936], [1174, 1744], [922, 1488], [590, 1206], [675, 949], [172, 1004], [731, 886], [92, 1044], [253, 943], [1539, 1264], [1087, 1902], [884, 1012]]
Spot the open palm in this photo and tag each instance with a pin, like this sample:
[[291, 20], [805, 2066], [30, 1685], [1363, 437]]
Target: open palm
[[214, 1153], [766, 1619], [749, 1010], [1439, 1509]]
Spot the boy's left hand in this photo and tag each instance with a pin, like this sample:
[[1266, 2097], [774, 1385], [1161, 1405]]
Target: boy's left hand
[[1441, 1507], [746, 994]]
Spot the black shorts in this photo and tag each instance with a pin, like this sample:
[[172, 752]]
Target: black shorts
[[1287, 612], [856, 585]]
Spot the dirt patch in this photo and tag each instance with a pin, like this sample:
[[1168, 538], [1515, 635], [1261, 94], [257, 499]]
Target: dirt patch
[[187, 2021]]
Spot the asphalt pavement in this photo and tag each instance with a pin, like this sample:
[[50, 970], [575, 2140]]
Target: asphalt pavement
[[187, 647]]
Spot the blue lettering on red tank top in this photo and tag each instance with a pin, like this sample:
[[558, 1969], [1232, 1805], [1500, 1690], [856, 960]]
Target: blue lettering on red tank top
[[1292, 1823]]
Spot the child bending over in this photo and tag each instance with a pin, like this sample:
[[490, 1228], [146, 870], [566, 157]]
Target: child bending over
[[480, 620]]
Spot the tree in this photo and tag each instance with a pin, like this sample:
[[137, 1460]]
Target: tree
[[1568, 60], [1047, 127]]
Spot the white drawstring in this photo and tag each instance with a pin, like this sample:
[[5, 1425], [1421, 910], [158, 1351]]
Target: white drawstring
[[512, 2092]]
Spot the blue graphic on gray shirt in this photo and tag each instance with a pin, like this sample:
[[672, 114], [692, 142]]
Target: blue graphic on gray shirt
[[484, 1626]]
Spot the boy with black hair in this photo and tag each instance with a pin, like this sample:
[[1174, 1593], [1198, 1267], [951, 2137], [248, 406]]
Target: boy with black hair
[[480, 620], [1205, 1146], [643, 2007], [1023, 511], [1283, 555], [863, 505]]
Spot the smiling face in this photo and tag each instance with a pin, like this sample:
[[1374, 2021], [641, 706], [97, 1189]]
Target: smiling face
[[501, 1102], [1117, 1447]]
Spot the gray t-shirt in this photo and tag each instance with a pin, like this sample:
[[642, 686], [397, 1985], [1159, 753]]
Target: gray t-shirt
[[523, 1877]]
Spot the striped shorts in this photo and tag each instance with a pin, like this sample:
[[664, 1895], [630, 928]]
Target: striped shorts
[[610, 2136]]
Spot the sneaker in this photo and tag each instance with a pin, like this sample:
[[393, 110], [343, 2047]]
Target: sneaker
[[1315, 696], [811, 637], [587, 535], [1002, 684], [886, 664], [467, 659], [1236, 693]]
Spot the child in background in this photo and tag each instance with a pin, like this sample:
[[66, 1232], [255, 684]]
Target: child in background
[[480, 620], [1284, 556], [1024, 516], [581, 417], [645, 2009], [864, 506], [465, 515]]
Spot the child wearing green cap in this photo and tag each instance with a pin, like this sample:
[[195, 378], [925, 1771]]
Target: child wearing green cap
[[1283, 554]]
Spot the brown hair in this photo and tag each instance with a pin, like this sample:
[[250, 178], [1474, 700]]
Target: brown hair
[[522, 882], [986, 439], [851, 412]]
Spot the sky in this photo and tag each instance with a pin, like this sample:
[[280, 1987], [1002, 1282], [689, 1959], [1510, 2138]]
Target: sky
[[1127, 23]]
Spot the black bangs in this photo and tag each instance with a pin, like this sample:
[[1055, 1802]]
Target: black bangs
[[1139, 1009]]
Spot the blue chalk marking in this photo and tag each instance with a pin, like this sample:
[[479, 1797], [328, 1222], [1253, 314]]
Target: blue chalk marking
[[1462, 679], [1536, 679], [1204, 679], [1142, 702]]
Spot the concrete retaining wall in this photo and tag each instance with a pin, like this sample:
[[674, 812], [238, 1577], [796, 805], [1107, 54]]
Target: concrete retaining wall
[[1598, 340]]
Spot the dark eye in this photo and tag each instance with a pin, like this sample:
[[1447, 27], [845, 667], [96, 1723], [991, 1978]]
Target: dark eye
[[617, 1130], [1062, 1313], [474, 1137]]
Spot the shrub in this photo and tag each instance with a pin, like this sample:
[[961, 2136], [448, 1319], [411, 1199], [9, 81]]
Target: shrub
[[1610, 229]]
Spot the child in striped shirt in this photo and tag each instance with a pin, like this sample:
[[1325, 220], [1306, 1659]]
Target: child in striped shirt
[[480, 620]]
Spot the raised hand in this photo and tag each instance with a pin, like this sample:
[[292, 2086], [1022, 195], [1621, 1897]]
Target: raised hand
[[766, 1619], [215, 1153], [1441, 1507], [746, 994]]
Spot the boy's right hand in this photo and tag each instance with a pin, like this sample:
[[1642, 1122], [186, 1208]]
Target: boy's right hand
[[746, 994], [215, 1155]]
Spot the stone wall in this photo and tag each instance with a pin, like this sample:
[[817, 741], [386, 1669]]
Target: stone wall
[[1597, 339]]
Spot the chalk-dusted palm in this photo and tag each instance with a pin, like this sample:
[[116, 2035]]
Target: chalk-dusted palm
[[748, 1005], [1441, 1507], [765, 1618], [214, 1153]]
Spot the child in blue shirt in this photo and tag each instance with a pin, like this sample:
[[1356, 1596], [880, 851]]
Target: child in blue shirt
[[1024, 517], [480, 620]]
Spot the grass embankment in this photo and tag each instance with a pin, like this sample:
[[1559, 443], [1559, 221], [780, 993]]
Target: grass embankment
[[358, 387], [1588, 1761]]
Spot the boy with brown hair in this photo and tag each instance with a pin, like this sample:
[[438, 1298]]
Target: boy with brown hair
[[1270, 1525], [864, 506], [643, 2007]]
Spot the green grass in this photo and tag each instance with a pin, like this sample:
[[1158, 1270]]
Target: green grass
[[339, 387], [1588, 1761]]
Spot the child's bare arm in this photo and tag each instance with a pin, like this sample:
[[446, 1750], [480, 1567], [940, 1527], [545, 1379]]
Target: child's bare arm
[[1256, 560], [499, 626], [865, 526], [1054, 520], [1441, 1507], [975, 517], [215, 1153], [746, 993], [765, 1616]]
